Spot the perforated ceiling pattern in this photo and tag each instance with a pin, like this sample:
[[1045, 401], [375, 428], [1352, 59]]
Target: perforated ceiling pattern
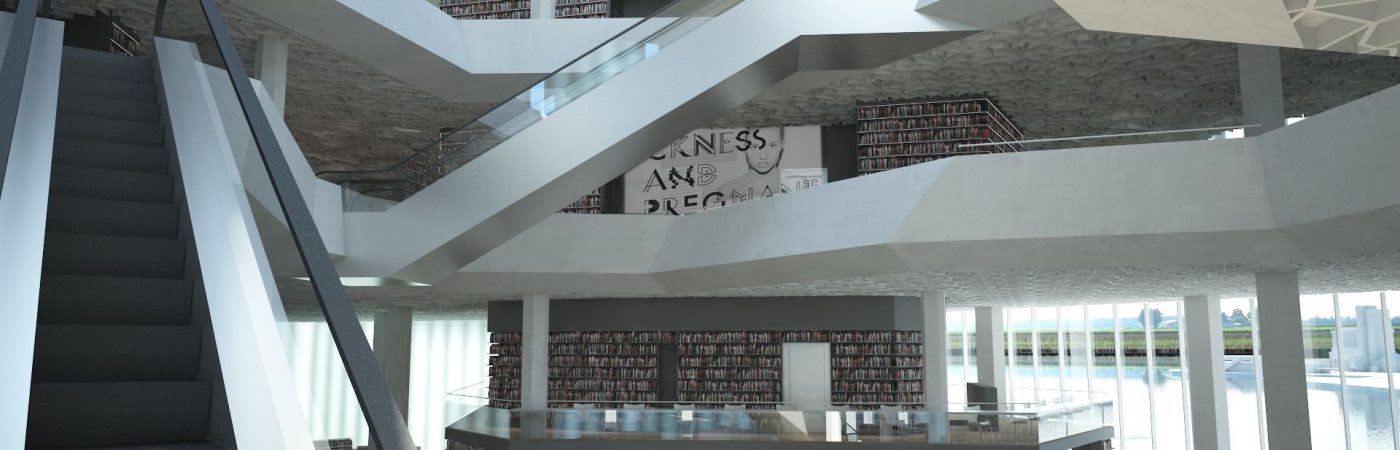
[[1056, 79], [1358, 26]]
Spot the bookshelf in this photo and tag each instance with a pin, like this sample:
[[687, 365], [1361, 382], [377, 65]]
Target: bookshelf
[[713, 368], [486, 9], [520, 9], [582, 9], [592, 203], [730, 367], [504, 387], [902, 133]]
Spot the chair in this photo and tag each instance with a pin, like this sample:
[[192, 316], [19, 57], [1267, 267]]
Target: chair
[[629, 420], [589, 417], [736, 417]]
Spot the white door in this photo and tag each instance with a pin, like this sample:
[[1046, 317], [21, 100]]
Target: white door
[[807, 376]]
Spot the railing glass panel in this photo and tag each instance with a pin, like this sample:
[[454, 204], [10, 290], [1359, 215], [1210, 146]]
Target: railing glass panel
[[459, 146]]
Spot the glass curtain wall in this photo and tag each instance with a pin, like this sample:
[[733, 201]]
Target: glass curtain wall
[[1127, 359]]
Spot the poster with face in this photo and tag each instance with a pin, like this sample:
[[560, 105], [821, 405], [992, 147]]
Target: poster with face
[[713, 168]]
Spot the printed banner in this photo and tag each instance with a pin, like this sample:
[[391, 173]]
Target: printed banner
[[714, 168]]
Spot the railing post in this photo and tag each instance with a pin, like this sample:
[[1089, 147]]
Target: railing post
[[387, 429]]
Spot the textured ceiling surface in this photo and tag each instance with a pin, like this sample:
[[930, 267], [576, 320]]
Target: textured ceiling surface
[[1056, 79], [343, 113], [1359, 26]]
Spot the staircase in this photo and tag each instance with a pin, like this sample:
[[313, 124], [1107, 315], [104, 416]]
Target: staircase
[[118, 357]]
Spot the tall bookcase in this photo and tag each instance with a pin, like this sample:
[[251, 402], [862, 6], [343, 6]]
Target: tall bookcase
[[486, 9], [604, 368], [504, 389], [877, 367], [902, 133], [520, 9], [733, 367]]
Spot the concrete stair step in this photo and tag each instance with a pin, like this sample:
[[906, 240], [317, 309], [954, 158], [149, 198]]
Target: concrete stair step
[[113, 256], [84, 353], [108, 155], [89, 300], [113, 218], [115, 185], [107, 65], [114, 414], [120, 131]]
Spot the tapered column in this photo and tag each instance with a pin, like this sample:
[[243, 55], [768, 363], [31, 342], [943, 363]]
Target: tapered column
[[534, 353], [1261, 88], [1205, 371], [393, 345], [270, 65], [1281, 354], [991, 349], [542, 9], [935, 312]]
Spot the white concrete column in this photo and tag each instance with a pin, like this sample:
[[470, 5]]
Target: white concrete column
[[935, 312], [1205, 371], [542, 9], [393, 346], [1261, 88], [991, 349], [270, 66], [534, 353], [1281, 357]]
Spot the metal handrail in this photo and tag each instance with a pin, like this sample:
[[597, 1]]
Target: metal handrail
[[1107, 136], [387, 428], [16, 64]]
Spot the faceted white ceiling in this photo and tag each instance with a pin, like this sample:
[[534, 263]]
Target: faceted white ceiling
[[1358, 26], [1012, 288], [1056, 79]]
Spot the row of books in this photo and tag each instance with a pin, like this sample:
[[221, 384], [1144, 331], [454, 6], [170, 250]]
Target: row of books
[[487, 16], [487, 7], [731, 397], [846, 397], [578, 2], [730, 337], [730, 386], [876, 349], [602, 385], [877, 374], [952, 120], [927, 135], [920, 109], [878, 337], [877, 362], [526, 3], [876, 387], [605, 337], [879, 164], [752, 373], [504, 383], [601, 396], [730, 361], [920, 149], [715, 337], [731, 349], [602, 373], [596, 9], [602, 349], [602, 361]]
